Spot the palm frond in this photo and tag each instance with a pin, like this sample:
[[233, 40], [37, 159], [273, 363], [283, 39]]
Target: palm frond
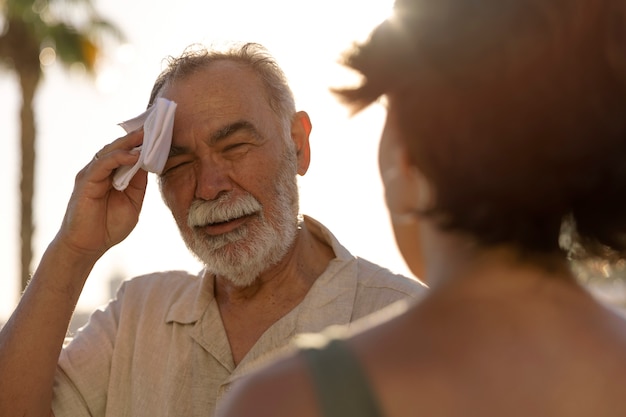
[[71, 46], [101, 27]]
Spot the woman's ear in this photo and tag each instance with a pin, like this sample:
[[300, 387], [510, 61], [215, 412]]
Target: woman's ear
[[407, 192], [406, 189]]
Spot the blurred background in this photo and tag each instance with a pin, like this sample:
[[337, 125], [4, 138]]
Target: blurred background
[[76, 112], [82, 66]]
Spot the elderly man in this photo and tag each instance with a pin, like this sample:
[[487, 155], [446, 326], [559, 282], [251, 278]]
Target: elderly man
[[171, 343]]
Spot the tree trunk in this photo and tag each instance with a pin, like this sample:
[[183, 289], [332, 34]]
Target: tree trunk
[[29, 80], [20, 48]]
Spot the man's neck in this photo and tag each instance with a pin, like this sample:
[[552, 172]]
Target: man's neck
[[247, 312]]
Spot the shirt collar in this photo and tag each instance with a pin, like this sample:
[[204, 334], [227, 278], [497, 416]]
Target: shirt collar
[[198, 296], [324, 291], [329, 301]]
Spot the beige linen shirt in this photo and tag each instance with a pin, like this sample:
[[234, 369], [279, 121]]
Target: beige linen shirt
[[160, 348]]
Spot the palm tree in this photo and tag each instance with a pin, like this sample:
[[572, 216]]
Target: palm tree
[[75, 33]]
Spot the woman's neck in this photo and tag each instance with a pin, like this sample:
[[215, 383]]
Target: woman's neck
[[458, 261]]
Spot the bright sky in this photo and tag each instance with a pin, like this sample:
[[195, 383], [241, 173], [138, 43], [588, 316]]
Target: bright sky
[[76, 117]]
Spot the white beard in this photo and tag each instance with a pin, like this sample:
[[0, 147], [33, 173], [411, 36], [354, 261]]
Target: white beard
[[243, 254]]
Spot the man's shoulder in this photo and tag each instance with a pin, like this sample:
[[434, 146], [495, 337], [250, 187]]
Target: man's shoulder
[[374, 276], [167, 296], [370, 276], [377, 287], [160, 286]]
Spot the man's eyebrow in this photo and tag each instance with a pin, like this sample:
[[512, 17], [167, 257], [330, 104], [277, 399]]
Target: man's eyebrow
[[221, 134], [231, 129]]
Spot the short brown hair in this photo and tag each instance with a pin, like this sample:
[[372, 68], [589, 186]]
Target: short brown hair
[[515, 110]]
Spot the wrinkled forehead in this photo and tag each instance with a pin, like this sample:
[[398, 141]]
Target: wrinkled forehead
[[219, 87], [218, 96]]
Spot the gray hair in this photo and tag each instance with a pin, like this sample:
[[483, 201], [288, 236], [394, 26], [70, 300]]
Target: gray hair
[[252, 55]]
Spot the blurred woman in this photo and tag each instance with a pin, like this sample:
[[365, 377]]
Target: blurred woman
[[506, 128]]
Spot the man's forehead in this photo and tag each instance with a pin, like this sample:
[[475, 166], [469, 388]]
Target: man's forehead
[[218, 85], [217, 96], [224, 73]]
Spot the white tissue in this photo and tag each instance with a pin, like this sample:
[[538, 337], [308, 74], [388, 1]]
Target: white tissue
[[158, 124]]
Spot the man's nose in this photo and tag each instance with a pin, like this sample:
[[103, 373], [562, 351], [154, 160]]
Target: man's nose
[[212, 180]]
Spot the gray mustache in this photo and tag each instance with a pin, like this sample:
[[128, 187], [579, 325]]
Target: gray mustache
[[202, 213]]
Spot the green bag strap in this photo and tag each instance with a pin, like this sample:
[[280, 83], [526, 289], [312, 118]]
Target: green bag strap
[[342, 387]]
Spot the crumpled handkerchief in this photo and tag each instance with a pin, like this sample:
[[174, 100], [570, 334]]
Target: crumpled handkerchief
[[158, 124]]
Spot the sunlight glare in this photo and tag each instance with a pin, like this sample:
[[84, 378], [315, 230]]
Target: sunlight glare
[[125, 53], [368, 17], [353, 24], [107, 80]]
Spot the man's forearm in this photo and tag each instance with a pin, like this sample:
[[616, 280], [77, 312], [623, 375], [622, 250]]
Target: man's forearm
[[31, 341]]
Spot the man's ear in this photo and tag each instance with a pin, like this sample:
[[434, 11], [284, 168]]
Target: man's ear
[[300, 131]]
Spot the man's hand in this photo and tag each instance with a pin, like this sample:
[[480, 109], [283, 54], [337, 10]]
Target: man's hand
[[98, 216]]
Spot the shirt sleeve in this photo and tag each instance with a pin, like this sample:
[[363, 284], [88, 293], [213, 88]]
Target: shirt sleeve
[[84, 368]]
